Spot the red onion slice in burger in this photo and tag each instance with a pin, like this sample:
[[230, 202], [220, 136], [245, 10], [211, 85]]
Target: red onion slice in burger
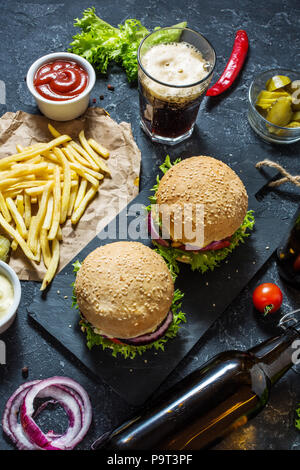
[[154, 232], [153, 336]]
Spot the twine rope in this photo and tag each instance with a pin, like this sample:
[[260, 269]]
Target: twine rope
[[287, 177]]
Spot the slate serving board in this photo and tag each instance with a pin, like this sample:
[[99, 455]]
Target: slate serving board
[[206, 298]]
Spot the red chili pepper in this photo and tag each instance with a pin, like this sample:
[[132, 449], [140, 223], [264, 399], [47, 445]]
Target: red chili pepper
[[234, 65]]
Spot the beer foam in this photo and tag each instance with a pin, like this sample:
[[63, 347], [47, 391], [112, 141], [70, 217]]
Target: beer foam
[[175, 63]]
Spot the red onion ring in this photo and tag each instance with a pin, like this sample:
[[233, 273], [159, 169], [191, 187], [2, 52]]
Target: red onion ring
[[10, 424], [26, 434], [148, 338], [217, 245]]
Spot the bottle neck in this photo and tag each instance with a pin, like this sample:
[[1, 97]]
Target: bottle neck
[[277, 355]]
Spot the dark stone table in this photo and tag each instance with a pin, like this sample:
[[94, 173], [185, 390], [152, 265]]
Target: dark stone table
[[30, 29]]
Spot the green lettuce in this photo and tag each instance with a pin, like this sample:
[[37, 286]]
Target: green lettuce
[[128, 350], [101, 43], [202, 261]]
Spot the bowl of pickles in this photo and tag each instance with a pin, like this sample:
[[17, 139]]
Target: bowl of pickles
[[274, 106]]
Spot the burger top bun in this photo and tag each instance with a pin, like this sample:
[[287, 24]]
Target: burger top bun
[[124, 289], [208, 181]]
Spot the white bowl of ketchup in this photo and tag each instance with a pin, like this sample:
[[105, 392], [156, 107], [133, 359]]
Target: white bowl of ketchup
[[61, 84]]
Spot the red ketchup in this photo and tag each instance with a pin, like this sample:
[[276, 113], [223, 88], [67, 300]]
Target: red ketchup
[[60, 80]]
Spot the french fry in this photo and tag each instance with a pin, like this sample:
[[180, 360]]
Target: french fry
[[81, 192], [38, 221], [44, 242], [52, 265], [15, 184], [95, 174], [9, 182], [12, 193], [25, 155], [19, 148], [25, 169], [73, 196], [81, 171], [14, 245], [27, 184], [20, 205], [72, 154], [27, 210], [102, 166], [38, 252], [49, 214], [4, 209], [59, 234], [20, 224], [80, 155], [56, 206], [98, 148], [34, 152], [66, 184], [53, 131], [69, 154], [36, 191], [15, 234], [77, 214], [31, 229], [34, 160]]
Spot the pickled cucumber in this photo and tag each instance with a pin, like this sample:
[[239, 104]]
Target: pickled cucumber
[[293, 86], [296, 116], [281, 112], [279, 103], [4, 248], [276, 82], [271, 95], [293, 124], [265, 104]]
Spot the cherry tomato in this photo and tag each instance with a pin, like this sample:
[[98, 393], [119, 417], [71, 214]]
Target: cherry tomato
[[267, 298]]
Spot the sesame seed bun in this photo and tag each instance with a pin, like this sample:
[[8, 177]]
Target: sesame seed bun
[[124, 289], [208, 181]]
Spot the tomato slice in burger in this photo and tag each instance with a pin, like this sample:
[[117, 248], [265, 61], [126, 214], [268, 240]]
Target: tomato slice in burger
[[115, 340]]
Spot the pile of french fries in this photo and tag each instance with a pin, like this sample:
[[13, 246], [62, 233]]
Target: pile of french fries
[[43, 185]]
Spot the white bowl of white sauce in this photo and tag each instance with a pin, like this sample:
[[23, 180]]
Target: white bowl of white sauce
[[10, 296]]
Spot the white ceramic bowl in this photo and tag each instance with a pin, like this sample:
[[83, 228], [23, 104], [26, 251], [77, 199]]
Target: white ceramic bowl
[[62, 110], [9, 317]]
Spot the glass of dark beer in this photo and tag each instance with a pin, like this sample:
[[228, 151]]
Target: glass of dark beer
[[175, 69]]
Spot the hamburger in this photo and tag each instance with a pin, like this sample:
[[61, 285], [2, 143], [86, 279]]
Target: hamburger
[[211, 184], [126, 298]]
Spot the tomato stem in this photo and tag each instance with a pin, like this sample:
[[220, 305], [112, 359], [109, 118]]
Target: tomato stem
[[268, 309]]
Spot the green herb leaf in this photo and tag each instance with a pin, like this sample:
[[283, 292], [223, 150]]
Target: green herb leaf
[[76, 266]]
